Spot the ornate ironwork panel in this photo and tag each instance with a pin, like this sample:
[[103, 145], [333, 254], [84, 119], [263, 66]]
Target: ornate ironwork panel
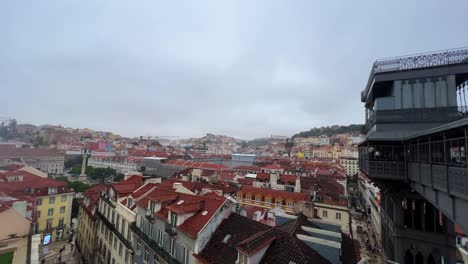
[[425, 60]]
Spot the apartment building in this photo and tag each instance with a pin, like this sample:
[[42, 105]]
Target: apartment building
[[45, 160], [119, 164], [114, 238], [13, 234], [291, 202], [50, 201], [350, 165], [87, 228], [171, 227]]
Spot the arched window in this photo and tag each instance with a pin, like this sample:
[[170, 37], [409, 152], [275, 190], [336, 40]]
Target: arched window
[[419, 258], [409, 257]]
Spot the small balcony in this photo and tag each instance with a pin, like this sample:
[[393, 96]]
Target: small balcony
[[170, 230], [107, 199], [150, 242]]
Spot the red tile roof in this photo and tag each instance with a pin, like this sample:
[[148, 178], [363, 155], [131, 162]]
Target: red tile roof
[[263, 176], [272, 167], [24, 152], [296, 197], [245, 181], [125, 187], [191, 203], [31, 185], [324, 185], [248, 168], [288, 178]]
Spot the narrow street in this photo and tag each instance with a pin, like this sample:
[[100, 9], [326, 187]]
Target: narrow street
[[362, 232]]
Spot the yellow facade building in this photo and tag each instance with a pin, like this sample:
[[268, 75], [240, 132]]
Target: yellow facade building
[[54, 212]]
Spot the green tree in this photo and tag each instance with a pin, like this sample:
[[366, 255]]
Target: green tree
[[118, 177], [77, 186], [72, 162]]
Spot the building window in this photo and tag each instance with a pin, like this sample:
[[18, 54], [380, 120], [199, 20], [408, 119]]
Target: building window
[[267, 200], [257, 198], [61, 222], [63, 198], [49, 225], [289, 204], [126, 256], [115, 242], [138, 247], [120, 249], [52, 190], [180, 252], [112, 219], [324, 213], [173, 219], [247, 196], [39, 201], [117, 224], [146, 257], [278, 202], [50, 212], [62, 209], [338, 215], [51, 200], [38, 214]]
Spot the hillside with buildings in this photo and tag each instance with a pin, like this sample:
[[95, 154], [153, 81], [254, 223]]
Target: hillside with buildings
[[330, 131]]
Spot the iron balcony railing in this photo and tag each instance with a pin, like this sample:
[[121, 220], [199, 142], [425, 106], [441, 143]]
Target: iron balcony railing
[[422, 60], [150, 242], [417, 61], [107, 199], [112, 228]]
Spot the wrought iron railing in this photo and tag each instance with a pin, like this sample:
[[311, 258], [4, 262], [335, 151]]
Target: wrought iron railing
[[417, 61], [150, 242], [423, 60], [112, 228]]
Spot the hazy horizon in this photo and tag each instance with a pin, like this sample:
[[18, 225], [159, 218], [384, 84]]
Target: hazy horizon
[[246, 69]]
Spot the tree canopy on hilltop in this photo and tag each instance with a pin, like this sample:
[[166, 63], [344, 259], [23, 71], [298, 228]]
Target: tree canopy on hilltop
[[330, 131]]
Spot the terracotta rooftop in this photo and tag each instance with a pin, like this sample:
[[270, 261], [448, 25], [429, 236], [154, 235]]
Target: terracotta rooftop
[[296, 197], [30, 184], [203, 206], [29, 153]]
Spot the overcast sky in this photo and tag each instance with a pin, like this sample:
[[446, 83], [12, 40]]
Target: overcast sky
[[186, 68]]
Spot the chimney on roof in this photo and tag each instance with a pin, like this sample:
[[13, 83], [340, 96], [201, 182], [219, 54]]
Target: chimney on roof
[[309, 209], [153, 180], [176, 185]]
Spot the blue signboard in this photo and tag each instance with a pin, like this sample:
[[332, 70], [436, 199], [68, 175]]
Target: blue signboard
[[47, 238]]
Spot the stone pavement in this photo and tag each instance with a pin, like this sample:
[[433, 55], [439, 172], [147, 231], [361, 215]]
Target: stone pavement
[[53, 253], [368, 245]]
